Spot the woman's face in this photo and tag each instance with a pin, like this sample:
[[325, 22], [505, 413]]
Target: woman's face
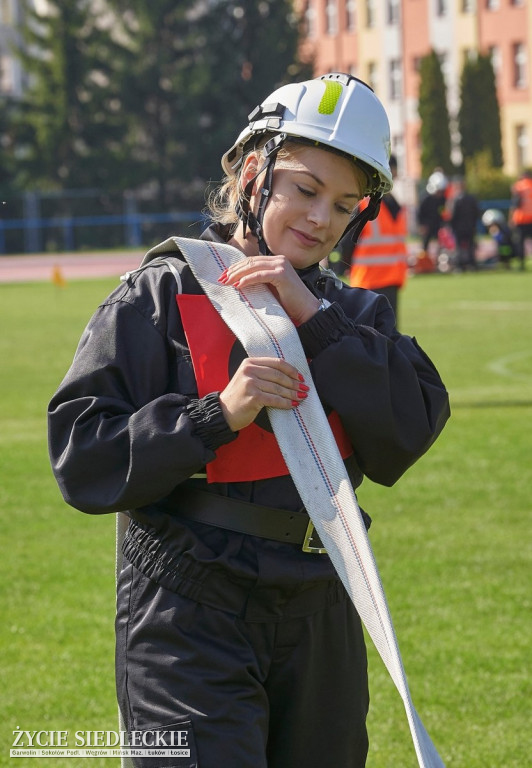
[[314, 194]]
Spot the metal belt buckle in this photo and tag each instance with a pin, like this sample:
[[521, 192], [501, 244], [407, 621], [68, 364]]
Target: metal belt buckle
[[311, 534]]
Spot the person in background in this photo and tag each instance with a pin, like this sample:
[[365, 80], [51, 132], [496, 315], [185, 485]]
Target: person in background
[[232, 628], [379, 259], [465, 213], [501, 234], [521, 213], [431, 210]]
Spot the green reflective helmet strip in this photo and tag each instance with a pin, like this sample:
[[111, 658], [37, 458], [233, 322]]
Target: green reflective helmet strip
[[329, 100]]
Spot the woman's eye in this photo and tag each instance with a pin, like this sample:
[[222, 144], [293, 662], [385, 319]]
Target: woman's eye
[[305, 191], [344, 209]]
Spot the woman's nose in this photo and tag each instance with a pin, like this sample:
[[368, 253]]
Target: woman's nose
[[319, 213]]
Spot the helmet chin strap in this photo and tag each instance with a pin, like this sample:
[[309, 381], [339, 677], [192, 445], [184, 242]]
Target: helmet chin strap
[[360, 219], [271, 148]]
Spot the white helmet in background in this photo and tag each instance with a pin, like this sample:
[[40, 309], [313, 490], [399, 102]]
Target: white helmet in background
[[492, 216], [437, 182], [337, 112]]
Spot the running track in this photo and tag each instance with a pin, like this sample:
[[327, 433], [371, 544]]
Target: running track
[[71, 266], [77, 266]]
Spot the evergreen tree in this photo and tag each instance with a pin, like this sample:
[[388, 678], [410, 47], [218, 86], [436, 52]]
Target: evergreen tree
[[467, 116], [434, 115], [7, 159], [193, 73], [253, 50], [158, 75], [479, 115], [145, 94], [65, 123]]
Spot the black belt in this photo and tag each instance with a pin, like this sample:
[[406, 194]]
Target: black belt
[[244, 517]]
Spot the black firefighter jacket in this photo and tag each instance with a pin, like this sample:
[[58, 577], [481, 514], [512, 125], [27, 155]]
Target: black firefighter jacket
[[126, 427]]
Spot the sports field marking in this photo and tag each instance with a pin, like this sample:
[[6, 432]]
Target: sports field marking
[[502, 366], [495, 306]]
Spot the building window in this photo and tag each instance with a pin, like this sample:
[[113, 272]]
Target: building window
[[6, 74], [309, 19], [350, 15], [371, 13], [521, 146], [520, 64], [441, 7], [331, 17], [468, 6], [392, 12], [372, 75], [445, 65], [395, 79], [398, 144], [6, 16], [492, 5], [496, 60]]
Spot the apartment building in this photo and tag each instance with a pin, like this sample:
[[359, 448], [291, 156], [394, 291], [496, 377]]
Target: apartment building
[[382, 42]]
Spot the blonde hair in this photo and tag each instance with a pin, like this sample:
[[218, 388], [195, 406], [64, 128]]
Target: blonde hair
[[222, 202]]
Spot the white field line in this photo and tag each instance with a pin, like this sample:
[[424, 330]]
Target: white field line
[[495, 306], [502, 366]]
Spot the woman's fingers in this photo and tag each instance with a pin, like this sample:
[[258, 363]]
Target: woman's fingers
[[271, 381], [259, 383], [257, 269], [276, 272]]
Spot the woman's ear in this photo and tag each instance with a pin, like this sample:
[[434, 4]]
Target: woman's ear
[[250, 170]]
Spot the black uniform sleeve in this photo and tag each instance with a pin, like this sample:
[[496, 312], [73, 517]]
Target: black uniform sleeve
[[387, 392], [126, 425]]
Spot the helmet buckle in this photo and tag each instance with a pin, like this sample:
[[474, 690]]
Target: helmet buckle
[[266, 110], [273, 144]]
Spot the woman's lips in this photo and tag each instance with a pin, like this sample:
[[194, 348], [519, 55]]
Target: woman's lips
[[305, 239]]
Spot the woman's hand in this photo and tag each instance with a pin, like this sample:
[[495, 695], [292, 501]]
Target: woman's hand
[[260, 382], [277, 272]]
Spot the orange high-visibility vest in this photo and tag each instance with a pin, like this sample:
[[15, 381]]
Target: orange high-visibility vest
[[380, 256], [523, 214]]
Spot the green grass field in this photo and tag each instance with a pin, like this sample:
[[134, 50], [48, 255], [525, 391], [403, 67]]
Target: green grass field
[[452, 539]]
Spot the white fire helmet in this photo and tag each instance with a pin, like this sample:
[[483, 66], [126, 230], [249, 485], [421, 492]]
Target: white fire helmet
[[337, 111], [437, 182], [492, 216]]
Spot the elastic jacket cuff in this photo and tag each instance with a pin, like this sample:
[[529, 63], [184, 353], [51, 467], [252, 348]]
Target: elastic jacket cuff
[[209, 422], [322, 329]]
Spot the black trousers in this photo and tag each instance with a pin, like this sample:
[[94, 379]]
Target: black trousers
[[523, 233], [243, 694]]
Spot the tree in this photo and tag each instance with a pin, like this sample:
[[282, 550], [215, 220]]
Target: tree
[[434, 115], [253, 50], [193, 73], [156, 76], [7, 159], [65, 123], [479, 115], [484, 180], [145, 95]]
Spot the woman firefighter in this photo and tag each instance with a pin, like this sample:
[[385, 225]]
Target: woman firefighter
[[233, 628]]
